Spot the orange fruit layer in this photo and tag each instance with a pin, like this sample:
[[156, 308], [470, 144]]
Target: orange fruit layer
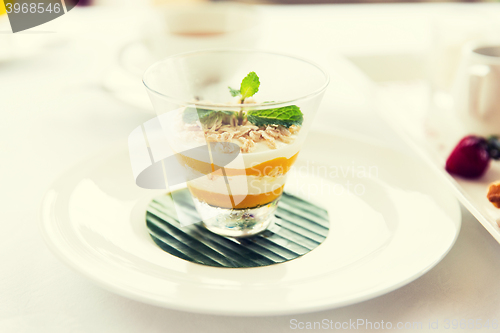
[[279, 165], [242, 201]]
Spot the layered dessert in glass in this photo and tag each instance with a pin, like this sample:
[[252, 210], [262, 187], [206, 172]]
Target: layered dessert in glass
[[252, 139]]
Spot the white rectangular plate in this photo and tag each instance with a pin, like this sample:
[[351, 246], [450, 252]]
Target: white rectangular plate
[[433, 132]]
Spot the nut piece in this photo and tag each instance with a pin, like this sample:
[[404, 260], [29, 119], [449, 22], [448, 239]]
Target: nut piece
[[248, 145], [294, 129], [254, 136], [494, 194], [272, 131], [271, 143], [226, 136]]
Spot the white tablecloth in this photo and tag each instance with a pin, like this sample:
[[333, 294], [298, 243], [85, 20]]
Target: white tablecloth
[[54, 112]]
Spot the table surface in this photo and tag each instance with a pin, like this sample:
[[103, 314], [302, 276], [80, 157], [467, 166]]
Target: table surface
[[54, 112]]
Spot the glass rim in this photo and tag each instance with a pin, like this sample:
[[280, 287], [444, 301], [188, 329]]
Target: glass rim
[[228, 106]]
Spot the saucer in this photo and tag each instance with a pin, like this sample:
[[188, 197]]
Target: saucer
[[392, 219]]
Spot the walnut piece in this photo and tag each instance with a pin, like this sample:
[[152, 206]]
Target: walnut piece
[[494, 194]]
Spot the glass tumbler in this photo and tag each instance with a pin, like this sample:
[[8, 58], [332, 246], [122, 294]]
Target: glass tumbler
[[230, 151]]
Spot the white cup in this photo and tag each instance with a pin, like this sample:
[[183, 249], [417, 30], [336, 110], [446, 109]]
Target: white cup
[[204, 25], [477, 88], [181, 28]]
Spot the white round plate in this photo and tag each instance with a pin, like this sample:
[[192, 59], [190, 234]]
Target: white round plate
[[391, 220]]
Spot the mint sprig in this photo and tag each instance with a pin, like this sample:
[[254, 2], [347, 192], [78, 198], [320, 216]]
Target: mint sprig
[[249, 85], [234, 92], [205, 116], [191, 115], [285, 116]]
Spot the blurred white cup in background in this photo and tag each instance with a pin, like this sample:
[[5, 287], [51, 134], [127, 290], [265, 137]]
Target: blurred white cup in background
[[180, 28], [451, 32], [477, 88]]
